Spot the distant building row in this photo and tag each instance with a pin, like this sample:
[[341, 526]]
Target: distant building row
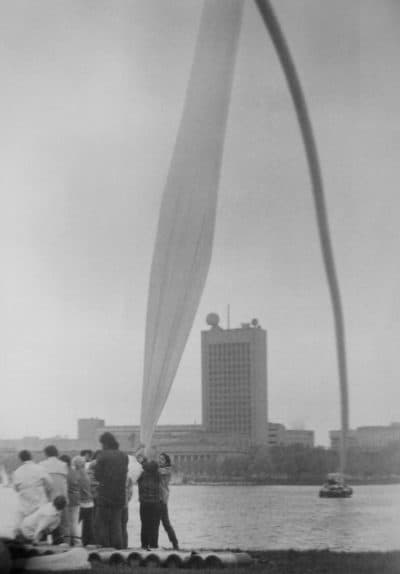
[[368, 437], [172, 436], [190, 438], [166, 436]]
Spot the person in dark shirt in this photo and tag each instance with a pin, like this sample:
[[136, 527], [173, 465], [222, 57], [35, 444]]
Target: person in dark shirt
[[150, 504], [110, 471], [165, 472]]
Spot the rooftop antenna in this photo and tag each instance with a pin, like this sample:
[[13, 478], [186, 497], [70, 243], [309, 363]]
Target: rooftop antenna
[[228, 316]]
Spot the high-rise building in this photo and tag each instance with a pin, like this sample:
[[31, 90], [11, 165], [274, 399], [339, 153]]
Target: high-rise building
[[234, 380]]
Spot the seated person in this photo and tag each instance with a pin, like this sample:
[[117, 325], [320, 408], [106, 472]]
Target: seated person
[[43, 521]]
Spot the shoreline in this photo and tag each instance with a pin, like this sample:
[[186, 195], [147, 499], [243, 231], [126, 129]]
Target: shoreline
[[274, 561], [283, 561], [317, 483], [327, 562]]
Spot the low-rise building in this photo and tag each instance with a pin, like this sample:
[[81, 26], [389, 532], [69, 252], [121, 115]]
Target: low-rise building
[[279, 435], [368, 437], [192, 449], [276, 432], [299, 437]]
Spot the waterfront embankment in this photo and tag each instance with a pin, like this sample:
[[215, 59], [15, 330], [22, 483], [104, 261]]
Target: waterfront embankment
[[291, 562]]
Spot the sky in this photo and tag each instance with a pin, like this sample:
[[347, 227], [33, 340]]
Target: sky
[[92, 94]]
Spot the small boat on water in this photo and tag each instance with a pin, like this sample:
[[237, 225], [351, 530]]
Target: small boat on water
[[335, 487]]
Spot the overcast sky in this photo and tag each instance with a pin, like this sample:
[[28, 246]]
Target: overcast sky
[[92, 93]]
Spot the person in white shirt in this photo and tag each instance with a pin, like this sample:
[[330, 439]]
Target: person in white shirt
[[44, 520], [58, 471], [33, 485]]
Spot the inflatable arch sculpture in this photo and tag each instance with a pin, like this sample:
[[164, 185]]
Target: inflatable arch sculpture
[[183, 246]]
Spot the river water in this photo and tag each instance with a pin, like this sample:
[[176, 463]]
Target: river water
[[272, 517]]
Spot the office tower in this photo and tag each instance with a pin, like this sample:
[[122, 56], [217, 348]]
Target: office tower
[[234, 380]]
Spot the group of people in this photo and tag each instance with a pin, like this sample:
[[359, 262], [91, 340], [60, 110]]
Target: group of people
[[85, 500]]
